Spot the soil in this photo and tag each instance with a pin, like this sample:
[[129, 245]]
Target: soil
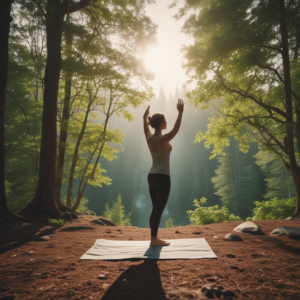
[[261, 267]]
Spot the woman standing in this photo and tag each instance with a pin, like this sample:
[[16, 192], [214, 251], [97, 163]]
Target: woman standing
[[159, 174]]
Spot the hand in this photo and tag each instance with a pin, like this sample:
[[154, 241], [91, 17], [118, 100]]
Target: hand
[[180, 105], [146, 112]]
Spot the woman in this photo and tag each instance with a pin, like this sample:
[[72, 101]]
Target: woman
[[159, 174]]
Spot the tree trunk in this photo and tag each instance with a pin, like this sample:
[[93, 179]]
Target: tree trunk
[[44, 199], [65, 119], [80, 192], [295, 170], [5, 20], [75, 157]]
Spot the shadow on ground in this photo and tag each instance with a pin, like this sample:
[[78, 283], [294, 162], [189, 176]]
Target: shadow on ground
[[149, 285]]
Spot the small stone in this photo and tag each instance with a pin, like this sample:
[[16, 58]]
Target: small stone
[[177, 231], [30, 252], [124, 279], [197, 232], [212, 279], [215, 237], [209, 294], [231, 255], [228, 293], [119, 229], [248, 227], [232, 237], [99, 222], [102, 276], [44, 238], [207, 287]]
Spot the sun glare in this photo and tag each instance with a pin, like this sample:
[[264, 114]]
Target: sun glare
[[154, 59]]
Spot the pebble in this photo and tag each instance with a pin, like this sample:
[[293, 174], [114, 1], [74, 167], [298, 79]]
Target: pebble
[[232, 237], [231, 255], [101, 276], [212, 279], [44, 238], [215, 237]]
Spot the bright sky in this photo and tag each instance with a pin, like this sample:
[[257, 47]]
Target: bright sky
[[165, 58]]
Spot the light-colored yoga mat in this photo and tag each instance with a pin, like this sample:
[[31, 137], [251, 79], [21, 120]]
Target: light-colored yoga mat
[[178, 249]]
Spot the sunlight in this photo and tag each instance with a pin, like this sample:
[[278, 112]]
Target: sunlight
[[154, 59]]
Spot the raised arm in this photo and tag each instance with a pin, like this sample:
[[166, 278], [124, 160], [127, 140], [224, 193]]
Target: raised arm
[[169, 136], [146, 127]]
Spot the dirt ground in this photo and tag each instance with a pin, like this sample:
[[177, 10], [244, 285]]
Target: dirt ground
[[264, 267]]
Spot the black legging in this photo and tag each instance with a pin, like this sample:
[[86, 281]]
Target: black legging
[[159, 187]]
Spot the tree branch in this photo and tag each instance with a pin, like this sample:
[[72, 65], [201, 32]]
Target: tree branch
[[77, 6]]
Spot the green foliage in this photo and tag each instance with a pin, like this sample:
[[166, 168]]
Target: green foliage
[[117, 213], [54, 222], [274, 209], [169, 223], [239, 182], [237, 62], [208, 215], [279, 181]]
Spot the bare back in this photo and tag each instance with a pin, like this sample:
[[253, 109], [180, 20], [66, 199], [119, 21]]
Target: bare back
[[153, 143]]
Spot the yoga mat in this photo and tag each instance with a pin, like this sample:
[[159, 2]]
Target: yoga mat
[[195, 248]]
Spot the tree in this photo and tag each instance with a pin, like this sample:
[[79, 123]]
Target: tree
[[127, 15], [5, 20], [238, 180], [54, 12], [246, 53], [117, 213], [279, 181]]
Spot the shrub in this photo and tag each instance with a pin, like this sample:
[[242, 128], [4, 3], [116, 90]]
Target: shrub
[[274, 209], [54, 222], [117, 213], [169, 223], [207, 215]]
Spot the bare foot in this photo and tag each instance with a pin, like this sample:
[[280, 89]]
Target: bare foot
[[158, 242]]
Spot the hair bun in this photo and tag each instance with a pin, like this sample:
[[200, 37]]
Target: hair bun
[[149, 118]]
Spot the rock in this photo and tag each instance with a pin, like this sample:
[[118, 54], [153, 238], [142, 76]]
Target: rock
[[232, 237], [248, 227], [68, 216], [291, 232], [75, 228], [44, 238], [212, 279], [102, 276], [210, 294], [231, 255], [90, 212], [206, 287], [215, 237], [97, 221], [107, 222], [228, 293]]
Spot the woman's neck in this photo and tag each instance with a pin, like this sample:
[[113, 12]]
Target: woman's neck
[[157, 132]]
